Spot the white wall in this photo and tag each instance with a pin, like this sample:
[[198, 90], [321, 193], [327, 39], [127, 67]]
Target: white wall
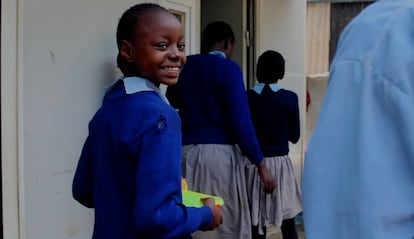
[[66, 54], [316, 86], [281, 27], [68, 57]]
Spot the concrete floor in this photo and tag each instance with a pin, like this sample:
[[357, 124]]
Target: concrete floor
[[275, 233]]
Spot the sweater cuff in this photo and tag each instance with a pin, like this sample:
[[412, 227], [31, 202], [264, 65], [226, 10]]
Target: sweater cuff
[[206, 218]]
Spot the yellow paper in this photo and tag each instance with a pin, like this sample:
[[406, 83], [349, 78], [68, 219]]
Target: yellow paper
[[184, 185], [193, 199]]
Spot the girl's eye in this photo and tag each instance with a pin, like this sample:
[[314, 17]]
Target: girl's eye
[[162, 45], [181, 46]]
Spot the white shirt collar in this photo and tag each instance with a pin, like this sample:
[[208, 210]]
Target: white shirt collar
[[258, 88], [136, 84], [218, 53]]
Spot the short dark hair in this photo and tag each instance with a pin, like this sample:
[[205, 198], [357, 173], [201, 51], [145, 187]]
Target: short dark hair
[[126, 25], [215, 32], [270, 67]]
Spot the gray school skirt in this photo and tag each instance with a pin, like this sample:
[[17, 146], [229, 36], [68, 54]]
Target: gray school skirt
[[285, 201], [217, 169]]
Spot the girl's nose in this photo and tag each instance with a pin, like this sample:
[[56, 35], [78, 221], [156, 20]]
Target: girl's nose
[[175, 52]]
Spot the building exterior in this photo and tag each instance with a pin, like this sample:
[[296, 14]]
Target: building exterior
[[56, 58]]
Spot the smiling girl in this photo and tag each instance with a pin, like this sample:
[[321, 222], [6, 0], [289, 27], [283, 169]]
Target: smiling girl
[[129, 169]]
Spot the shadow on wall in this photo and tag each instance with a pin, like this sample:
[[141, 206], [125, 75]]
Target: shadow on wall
[[316, 86]]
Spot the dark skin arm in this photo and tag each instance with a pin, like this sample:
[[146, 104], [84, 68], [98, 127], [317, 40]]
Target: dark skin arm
[[267, 178], [217, 217]]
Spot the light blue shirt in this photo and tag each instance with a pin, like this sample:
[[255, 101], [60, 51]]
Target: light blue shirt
[[358, 180], [218, 53], [258, 88], [136, 84]]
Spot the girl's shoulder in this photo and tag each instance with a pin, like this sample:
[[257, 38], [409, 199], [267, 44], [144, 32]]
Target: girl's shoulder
[[212, 58], [288, 93]]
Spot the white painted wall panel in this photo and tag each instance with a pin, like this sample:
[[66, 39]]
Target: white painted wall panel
[[69, 52]]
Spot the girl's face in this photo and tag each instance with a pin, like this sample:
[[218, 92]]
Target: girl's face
[[157, 53]]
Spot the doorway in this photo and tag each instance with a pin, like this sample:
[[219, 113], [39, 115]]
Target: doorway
[[250, 37], [341, 15], [240, 14]]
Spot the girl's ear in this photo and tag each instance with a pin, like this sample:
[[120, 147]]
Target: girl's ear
[[126, 50]]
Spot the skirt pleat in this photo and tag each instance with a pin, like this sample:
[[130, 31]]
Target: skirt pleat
[[285, 201], [219, 170]]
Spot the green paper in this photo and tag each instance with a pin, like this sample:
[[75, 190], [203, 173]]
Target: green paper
[[193, 199]]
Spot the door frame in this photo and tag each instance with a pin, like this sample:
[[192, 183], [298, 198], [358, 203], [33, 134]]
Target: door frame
[[1, 180], [11, 119]]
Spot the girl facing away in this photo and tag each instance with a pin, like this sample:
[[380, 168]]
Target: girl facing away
[[129, 169], [275, 116]]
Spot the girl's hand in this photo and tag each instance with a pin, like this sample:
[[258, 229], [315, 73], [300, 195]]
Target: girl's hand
[[267, 178], [217, 217]]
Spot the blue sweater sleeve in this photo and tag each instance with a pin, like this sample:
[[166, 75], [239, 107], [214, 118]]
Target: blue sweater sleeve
[[294, 125], [158, 210], [82, 186], [237, 112]]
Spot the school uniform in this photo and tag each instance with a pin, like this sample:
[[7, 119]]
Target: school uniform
[[358, 178], [217, 132], [129, 169], [275, 116]]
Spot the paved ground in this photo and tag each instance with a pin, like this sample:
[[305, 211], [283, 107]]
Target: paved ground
[[275, 233]]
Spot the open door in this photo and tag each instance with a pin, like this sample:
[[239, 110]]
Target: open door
[[250, 37], [239, 14]]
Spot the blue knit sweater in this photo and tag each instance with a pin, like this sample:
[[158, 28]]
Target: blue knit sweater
[[129, 169], [275, 116], [212, 103]]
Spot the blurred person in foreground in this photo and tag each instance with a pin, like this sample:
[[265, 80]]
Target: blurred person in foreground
[[359, 169]]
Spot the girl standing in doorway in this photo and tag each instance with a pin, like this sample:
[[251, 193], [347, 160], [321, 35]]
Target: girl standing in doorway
[[275, 115]]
